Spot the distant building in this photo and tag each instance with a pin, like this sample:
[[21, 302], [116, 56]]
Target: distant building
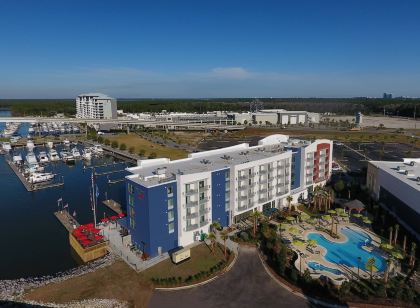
[[396, 185], [172, 203], [276, 117], [387, 96], [359, 119], [96, 106]]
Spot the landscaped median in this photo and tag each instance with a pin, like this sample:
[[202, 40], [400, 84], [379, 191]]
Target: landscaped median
[[206, 263]]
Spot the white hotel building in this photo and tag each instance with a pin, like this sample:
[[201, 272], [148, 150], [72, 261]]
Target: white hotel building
[[171, 203], [96, 106]]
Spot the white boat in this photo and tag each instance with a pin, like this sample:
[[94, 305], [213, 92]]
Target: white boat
[[43, 158], [40, 177], [30, 145], [31, 130], [31, 159], [67, 157], [97, 149], [6, 146], [53, 155], [17, 159], [66, 142], [14, 139], [75, 152], [50, 144], [87, 154]]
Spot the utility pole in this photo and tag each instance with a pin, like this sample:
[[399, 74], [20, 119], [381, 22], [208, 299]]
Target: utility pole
[[415, 123]]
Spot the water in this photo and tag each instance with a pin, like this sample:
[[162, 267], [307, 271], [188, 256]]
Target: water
[[33, 242], [319, 267], [348, 252]]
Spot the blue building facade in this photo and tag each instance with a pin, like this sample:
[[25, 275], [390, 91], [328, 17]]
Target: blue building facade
[[220, 185], [152, 217], [296, 168]]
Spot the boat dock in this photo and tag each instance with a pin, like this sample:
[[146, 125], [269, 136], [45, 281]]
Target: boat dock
[[109, 172], [29, 186], [123, 155], [113, 205], [67, 220]]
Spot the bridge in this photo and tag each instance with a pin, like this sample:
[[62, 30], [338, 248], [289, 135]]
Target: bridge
[[222, 124]]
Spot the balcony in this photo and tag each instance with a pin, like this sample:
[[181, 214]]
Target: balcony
[[191, 192], [244, 197], [205, 222], [243, 187], [263, 191], [191, 215], [263, 171], [191, 203], [204, 210], [243, 177], [191, 227], [204, 200], [262, 199], [204, 188]]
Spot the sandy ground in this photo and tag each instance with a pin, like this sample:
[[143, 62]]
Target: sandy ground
[[386, 121]]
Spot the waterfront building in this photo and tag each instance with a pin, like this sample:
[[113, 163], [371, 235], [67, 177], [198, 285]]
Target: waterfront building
[[396, 186], [172, 203], [96, 106], [276, 117]]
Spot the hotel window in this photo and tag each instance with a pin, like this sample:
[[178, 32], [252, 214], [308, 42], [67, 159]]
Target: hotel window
[[187, 187], [169, 190], [130, 188], [170, 216], [201, 196], [170, 204], [201, 184], [202, 219], [171, 227], [227, 176], [132, 223], [227, 186], [130, 200], [131, 212]]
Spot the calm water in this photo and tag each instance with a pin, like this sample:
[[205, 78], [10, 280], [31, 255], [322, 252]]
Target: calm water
[[347, 253], [32, 240]]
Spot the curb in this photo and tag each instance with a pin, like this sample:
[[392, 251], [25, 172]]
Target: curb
[[225, 270], [296, 292]]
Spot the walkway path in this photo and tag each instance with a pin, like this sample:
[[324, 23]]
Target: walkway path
[[246, 285]]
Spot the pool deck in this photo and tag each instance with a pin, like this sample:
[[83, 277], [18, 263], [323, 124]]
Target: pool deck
[[318, 252]]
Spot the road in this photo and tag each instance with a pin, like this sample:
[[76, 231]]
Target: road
[[247, 284]]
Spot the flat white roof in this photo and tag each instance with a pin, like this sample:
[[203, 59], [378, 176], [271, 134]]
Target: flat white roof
[[404, 171], [98, 95]]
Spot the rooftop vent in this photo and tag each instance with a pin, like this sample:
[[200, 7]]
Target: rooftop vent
[[226, 157], [418, 179], [244, 153], [160, 171], [205, 161], [409, 172]]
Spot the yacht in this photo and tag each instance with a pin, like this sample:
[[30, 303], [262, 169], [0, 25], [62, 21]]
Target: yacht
[[30, 145], [66, 142], [87, 154], [31, 159], [50, 144], [97, 149], [67, 157], [53, 155], [17, 159], [40, 177], [31, 130], [14, 139], [75, 152], [43, 158], [6, 146]]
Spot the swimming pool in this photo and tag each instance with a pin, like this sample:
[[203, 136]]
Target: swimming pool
[[316, 266], [347, 253]]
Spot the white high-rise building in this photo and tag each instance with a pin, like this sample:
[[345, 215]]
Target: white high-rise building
[[96, 106]]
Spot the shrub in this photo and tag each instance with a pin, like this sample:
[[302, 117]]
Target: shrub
[[131, 150], [123, 146], [100, 139], [142, 152], [107, 142], [114, 144], [152, 155]]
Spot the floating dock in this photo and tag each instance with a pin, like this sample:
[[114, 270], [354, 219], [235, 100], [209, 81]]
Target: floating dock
[[123, 155], [113, 205], [30, 186], [67, 220]]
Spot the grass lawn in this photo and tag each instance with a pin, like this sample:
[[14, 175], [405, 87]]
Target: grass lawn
[[202, 259], [133, 140], [117, 281]]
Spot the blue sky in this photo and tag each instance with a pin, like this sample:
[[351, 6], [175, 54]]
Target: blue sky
[[55, 49]]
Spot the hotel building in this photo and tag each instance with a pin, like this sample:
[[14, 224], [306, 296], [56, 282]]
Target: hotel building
[[396, 186], [96, 106], [171, 203]]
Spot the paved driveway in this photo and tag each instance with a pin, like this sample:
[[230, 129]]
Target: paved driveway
[[247, 284]]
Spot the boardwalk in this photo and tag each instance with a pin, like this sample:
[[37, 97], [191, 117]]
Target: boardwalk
[[113, 205], [67, 220]]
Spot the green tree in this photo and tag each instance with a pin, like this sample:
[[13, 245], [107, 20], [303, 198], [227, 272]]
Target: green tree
[[142, 152], [123, 146], [212, 238], [339, 186], [107, 142], [224, 236], [255, 216]]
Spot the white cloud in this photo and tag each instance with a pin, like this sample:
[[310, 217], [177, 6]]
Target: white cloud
[[230, 73]]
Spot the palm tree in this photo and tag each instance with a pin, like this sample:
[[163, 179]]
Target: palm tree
[[388, 267], [216, 225], [412, 254], [289, 200], [212, 238], [397, 227], [390, 235], [224, 236], [404, 243], [370, 265], [255, 215]]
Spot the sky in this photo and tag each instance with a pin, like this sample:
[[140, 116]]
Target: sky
[[192, 49]]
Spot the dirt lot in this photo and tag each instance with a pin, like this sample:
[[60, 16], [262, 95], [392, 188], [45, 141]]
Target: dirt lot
[[369, 121], [117, 281]]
